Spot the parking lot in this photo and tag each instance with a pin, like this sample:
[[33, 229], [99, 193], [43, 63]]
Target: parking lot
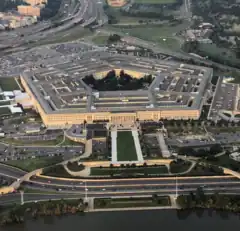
[[225, 99]]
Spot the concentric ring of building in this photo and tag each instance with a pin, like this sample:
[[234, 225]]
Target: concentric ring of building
[[62, 98]]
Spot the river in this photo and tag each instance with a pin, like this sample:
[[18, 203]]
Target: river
[[169, 220]]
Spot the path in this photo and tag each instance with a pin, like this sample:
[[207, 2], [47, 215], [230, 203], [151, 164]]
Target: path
[[137, 146], [114, 146]]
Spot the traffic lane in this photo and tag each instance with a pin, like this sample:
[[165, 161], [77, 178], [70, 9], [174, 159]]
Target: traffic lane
[[159, 184], [82, 188], [11, 171], [166, 180], [16, 197]]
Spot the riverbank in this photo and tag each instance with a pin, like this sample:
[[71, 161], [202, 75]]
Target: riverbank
[[218, 202], [184, 205], [17, 214]]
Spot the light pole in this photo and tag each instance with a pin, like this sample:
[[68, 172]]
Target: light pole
[[176, 195], [86, 191], [22, 197]]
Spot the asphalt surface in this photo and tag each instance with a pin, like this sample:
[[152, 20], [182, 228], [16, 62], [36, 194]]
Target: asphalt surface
[[76, 188], [35, 197], [11, 171]]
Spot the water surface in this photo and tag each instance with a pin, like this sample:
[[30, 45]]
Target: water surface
[[169, 220]]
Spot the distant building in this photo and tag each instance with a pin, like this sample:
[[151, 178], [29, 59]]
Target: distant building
[[35, 128], [116, 3], [35, 2], [29, 10]]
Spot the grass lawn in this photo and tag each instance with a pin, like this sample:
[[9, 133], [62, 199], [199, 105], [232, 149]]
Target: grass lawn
[[35, 163], [226, 161], [38, 191], [162, 35], [100, 39], [9, 84], [179, 167], [118, 171], [205, 170], [125, 147], [104, 203], [57, 171], [68, 142], [73, 166]]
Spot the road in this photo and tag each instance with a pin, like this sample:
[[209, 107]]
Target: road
[[11, 172], [71, 14], [117, 187], [34, 197]]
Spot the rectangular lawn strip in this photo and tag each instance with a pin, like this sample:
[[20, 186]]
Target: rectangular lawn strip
[[9, 84], [35, 163], [154, 170], [133, 202], [125, 147]]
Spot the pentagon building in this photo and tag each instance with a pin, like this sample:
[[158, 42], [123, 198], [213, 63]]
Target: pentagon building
[[62, 98]]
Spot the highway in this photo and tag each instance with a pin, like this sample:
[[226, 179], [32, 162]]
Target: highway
[[11, 172], [71, 14], [34, 197], [75, 188]]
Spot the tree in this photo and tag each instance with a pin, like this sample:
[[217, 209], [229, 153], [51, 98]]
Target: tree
[[114, 38]]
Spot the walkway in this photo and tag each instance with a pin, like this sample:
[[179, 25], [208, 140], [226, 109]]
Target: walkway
[[114, 146], [137, 146]]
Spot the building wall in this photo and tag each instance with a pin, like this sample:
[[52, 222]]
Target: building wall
[[116, 3], [29, 10], [132, 73], [66, 119]]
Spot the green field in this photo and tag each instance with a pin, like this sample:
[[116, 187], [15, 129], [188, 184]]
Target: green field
[[35, 163], [57, 171], [100, 39], [227, 162], [179, 167], [9, 84], [118, 171], [125, 147], [154, 1], [133, 202], [163, 35]]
